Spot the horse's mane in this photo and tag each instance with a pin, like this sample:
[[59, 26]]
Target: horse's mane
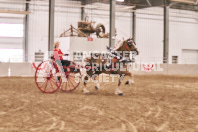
[[118, 45]]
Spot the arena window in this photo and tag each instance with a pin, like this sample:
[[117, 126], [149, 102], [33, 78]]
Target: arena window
[[11, 30]]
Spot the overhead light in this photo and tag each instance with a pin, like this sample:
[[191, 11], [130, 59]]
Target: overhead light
[[120, 0], [129, 7]]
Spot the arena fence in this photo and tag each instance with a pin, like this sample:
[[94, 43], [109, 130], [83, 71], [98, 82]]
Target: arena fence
[[28, 69]]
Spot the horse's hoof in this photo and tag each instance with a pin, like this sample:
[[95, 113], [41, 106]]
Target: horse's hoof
[[120, 94], [127, 83], [86, 92], [96, 87]]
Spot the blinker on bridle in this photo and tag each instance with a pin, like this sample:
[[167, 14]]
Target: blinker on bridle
[[129, 44]]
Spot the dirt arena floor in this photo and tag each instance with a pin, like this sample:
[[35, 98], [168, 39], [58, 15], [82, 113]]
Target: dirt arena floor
[[152, 104]]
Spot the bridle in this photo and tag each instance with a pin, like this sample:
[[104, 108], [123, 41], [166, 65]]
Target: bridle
[[128, 42]]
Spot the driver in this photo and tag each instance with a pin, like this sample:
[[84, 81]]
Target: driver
[[58, 57]]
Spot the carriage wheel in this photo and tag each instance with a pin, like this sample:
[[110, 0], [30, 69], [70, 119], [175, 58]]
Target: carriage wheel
[[71, 81], [47, 79]]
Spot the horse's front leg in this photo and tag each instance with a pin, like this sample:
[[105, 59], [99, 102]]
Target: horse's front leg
[[118, 91], [86, 79]]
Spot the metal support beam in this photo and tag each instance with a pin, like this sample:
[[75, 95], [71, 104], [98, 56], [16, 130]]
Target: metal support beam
[[51, 25], [112, 23], [166, 34], [26, 33], [134, 26], [82, 10], [149, 3]]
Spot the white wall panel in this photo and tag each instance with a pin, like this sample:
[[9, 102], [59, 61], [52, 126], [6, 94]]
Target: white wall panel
[[183, 35], [38, 32], [123, 24], [149, 37], [190, 56]]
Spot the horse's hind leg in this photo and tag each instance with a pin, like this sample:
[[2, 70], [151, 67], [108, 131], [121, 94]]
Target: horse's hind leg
[[97, 86], [86, 79], [131, 80]]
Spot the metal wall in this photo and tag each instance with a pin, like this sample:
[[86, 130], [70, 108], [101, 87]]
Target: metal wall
[[149, 27], [183, 36], [149, 35]]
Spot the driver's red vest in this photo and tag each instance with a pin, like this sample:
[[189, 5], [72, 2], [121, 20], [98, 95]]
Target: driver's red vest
[[56, 54]]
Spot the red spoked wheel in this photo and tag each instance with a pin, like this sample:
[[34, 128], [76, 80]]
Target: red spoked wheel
[[71, 80], [48, 79]]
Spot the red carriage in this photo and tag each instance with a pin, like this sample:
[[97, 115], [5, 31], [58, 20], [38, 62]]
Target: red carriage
[[50, 77]]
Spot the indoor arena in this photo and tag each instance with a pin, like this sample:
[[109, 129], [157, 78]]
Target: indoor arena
[[99, 65]]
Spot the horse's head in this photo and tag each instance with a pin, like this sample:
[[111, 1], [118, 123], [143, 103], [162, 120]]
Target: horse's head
[[130, 45]]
